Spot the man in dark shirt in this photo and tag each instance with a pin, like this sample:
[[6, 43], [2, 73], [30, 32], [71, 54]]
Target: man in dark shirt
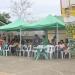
[[36, 40]]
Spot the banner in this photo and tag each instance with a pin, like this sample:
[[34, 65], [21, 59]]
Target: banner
[[67, 7]]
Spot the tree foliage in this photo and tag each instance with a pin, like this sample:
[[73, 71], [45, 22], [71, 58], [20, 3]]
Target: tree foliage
[[4, 18]]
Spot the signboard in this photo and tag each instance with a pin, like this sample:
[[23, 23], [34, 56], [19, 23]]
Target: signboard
[[68, 7], [68, 10]]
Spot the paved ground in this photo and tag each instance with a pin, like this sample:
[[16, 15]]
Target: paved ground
[[28, 66]]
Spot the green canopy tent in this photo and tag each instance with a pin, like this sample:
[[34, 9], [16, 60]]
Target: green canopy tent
[[16, 25], [50, 22]]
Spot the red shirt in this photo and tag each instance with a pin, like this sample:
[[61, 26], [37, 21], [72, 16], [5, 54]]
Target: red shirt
[[1, 42]]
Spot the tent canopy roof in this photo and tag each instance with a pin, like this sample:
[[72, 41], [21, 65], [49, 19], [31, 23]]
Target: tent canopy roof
[[50, 22], [14, 25]]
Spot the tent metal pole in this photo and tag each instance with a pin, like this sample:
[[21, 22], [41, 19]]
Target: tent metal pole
[[1, 33], [57, 39], [20, 42], [7, 37], [46, 33]]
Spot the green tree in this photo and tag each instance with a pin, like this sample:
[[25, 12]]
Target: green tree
[[4, 18]]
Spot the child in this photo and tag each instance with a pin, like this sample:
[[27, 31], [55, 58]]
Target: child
[[66, 51]]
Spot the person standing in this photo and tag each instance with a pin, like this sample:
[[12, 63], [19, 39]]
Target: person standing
[[45, 40], [36, 40], [1, 42]]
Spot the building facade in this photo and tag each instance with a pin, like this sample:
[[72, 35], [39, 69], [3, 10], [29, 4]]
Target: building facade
[[68, 10]]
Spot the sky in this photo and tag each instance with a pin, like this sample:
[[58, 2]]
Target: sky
[[40, 8]]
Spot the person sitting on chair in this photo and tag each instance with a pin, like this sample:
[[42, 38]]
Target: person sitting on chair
[[66, 52]]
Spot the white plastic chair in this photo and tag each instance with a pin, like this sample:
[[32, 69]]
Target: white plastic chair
[[50, 50], [23, 50], [34, 51], [29, 50], [5, 51], [40, 47], [26, 49], [1, 52], [68, 51], [0, 48]]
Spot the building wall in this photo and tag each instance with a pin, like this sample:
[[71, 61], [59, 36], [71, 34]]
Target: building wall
[[68, 4], [68, 12], [62, 35]]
